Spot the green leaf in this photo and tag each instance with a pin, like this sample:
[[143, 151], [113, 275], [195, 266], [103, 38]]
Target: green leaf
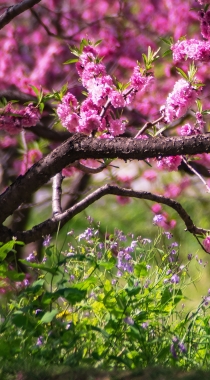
[[167, 52], [3, 270], [39, 266], [8, 247], [4, 349], [132, 291], [37, 285], [35, 89], [107, 265], [95, 328], [73, 60], [140, 270], [97, 42], [49, 251], [49, 297], [19, 319], [84, 285], [182, 73], [41, 107], [166, 296], [73, 295], [48, 316], [15, 276]]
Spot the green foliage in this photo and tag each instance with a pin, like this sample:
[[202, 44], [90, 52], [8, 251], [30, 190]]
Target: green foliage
[[114, 302]]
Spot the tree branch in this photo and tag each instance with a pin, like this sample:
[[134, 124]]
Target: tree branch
[[50, 225], [15, 10], [81, 147], [56, 194]]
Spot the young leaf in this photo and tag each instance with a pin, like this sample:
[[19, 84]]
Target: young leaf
[[48, 316]]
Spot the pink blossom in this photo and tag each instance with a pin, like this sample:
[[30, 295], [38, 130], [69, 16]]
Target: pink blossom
[[179, 100], [139, 82], [191, 49], [66, 112], [31, 116], [200, 121], [88, 105], [206, 244], [186, 130], [92, 71], [142, 137], [169, 163], [29, 159], [117, 99], [89, 122], [69, 171], [70, 100], [123, 200], [7, 142], [13, 120], [156, 208], [150, 175], [71, 122], [117, 127], [172, 190]]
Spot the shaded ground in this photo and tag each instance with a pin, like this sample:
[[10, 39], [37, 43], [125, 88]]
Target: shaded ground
[[93, 374]]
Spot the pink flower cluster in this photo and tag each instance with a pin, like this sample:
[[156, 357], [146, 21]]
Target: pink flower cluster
[[12, 121], [139, 81], [169, 163], [192, 49], [179, 100], [95, 114], [187, 130]]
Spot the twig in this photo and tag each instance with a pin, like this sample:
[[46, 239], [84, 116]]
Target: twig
[[56, 194], [70, 37], [148, 125], [87, 169], [14, 10], [196, 173]]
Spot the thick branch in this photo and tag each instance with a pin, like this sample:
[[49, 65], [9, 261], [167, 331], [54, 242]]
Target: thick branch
[[15, 10], [81, 147], [50, 226]]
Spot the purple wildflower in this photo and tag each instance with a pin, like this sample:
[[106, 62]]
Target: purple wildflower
[[39, 341], [189, 256], [168, 235], [129, 321], [146, 241], [31, 258], [175, 279], [158, 220], [47, 240]]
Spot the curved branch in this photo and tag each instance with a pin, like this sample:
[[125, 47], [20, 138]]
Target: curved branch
[[50, 226], [15, 10], [81, 147]]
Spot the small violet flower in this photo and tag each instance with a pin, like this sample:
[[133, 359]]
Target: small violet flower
[[175, 279], [129, 321]]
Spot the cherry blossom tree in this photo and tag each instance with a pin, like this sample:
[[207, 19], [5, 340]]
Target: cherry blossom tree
[[84, 83]]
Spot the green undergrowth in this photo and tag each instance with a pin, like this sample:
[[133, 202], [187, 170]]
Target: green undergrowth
[[112, 302]]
